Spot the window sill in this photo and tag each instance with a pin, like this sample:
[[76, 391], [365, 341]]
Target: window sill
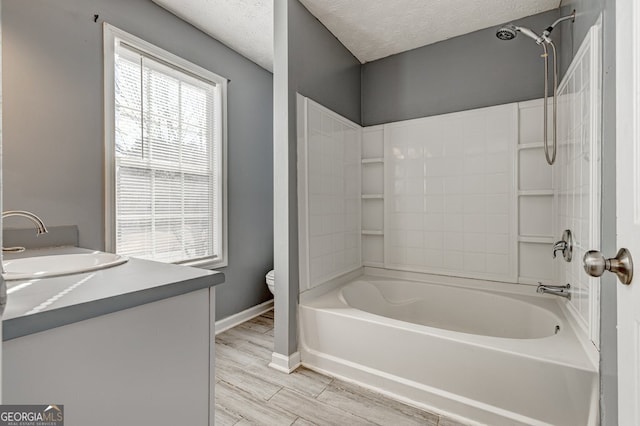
[[206, 263]]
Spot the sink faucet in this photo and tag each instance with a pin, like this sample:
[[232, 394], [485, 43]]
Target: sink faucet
[[40, 227]]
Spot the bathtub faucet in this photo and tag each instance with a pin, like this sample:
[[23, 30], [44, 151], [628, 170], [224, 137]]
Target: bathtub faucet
[[556, 290]]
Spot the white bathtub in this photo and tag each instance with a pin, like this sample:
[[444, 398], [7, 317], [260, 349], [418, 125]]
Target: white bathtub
[[487, 356]]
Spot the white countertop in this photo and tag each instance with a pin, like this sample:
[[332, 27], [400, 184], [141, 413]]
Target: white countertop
[[41, 304]]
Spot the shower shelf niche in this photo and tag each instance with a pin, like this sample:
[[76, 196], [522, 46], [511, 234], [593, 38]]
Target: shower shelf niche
[[373, 196], [536, 199]]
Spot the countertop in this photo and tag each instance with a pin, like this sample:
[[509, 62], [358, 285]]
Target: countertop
[[42, 304]]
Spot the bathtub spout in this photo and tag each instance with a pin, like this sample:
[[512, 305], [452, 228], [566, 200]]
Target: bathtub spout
[[556, 290]]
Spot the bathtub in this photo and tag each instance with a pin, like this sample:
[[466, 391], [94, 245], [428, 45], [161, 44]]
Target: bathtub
[[481, 356]]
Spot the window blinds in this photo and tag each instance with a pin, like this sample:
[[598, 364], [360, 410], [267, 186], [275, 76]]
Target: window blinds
[[167, 159]]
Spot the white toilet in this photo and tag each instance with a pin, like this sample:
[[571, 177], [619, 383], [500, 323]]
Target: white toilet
[[271, 281]]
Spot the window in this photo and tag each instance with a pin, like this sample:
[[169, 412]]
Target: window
[[165, 147]]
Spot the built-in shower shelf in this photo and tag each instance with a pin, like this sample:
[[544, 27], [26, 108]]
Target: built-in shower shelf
[[373, 264], [372, 196], [536, 240], [531, 145], [372, 232], [373, 160], [534, 192]]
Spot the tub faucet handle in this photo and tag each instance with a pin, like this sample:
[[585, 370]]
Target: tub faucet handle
[[565, 245], [559, 246]]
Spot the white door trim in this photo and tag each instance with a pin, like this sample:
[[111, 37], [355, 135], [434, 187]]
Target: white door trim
[[628, 204]]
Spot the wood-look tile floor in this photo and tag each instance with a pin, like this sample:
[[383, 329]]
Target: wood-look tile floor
[[249, 392]]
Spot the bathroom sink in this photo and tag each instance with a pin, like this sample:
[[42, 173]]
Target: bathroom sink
[[56, 265]]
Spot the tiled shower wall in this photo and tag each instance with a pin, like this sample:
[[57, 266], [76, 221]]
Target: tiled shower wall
[[449, 200], [328, 195], [464, 194], [577, 176]]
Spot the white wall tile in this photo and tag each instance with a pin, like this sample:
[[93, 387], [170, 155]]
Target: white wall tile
[[535, 262], [498, 244], [466, 161], [433, 258], [434, 240], [331, 180], [466, 180], [474, 262], [497, 224], [577, 166], [497, 263], [475, 223], [453, 204], [475, 242]]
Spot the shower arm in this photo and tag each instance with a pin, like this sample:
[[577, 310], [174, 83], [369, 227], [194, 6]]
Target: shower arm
[[547, 32]]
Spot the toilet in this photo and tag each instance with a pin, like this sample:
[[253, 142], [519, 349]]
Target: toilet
[[270, 277]]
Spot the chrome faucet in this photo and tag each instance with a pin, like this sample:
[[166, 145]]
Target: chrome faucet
[[565, 245], [556, 290], [40, 227], [559, 246]]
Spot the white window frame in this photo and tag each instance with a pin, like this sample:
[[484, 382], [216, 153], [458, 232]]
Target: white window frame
[[112, 36]]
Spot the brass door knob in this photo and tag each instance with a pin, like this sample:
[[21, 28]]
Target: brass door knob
[[622, 265]]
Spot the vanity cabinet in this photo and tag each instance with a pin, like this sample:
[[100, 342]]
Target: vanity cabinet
[[151, 364]]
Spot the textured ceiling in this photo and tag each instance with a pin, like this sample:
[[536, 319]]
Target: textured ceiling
[[373, 29], [246, 26], [370, 29]]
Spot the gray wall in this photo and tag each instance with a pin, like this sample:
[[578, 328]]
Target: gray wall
[[572, 36], [311, 61], [53, 125], [320, 67], [470, 71]]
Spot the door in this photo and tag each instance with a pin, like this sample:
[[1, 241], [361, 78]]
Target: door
[[628, 204]]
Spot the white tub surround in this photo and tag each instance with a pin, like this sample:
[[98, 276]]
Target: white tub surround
[[491, 356], [577, 178], [449, 199], [465, 194], [328, 194]]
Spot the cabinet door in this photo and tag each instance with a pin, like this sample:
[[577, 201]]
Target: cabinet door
[[145, 365]]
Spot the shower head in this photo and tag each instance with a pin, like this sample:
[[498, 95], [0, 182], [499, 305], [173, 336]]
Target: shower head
[[510, 31]]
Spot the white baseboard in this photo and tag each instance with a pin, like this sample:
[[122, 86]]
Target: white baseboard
[[244, 316], [285, 364]]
